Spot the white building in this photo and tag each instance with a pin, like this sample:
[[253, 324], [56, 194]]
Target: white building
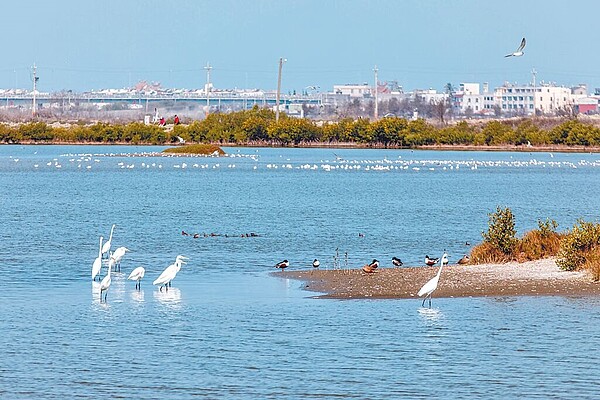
[[353, 90], [524, 99]]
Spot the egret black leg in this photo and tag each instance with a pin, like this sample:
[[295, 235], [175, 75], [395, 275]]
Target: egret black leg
[[423, 304]]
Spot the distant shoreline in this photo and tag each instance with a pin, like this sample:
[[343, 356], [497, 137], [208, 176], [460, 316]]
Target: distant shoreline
[[533, 278], [346, 145]]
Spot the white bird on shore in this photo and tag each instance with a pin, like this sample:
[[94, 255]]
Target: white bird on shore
[[316, 263], [137, 275], [106, 247], [430, 287], [104, 285], [169, 273], [519, 51], [97, 266]]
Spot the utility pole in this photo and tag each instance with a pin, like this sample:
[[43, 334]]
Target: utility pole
[[207, 68], [376, 94], [281, 61], [35, 79], [534, 73]]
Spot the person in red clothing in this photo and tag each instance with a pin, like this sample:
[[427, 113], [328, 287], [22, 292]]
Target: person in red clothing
[[162, 121], [176, 120]]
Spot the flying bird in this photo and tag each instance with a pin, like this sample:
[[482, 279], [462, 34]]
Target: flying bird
[[519, 51]]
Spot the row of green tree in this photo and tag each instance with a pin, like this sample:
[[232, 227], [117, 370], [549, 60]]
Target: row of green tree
[[258, 126]]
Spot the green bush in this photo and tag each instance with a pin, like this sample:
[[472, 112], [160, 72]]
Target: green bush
[[501, 230], [582, 240]]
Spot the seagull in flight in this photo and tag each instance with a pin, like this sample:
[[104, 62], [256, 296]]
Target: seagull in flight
[[519, 51]]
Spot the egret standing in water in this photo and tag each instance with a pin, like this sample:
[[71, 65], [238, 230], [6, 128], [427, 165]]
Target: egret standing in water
[[117, 256], [137, 275], [104, 285], [97, 266], [169, 273], [106, 247], [430, 286]]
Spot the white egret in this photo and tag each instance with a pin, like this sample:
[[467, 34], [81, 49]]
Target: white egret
[[106, 247], [104, 285], [169, 273], [117, 256], [430, 286], [137, 275], [97, 266]]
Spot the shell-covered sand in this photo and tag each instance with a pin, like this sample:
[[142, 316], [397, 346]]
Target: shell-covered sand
[[541, 277]]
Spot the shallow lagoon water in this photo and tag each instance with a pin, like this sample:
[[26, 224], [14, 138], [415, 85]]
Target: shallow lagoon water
[[229, 329]]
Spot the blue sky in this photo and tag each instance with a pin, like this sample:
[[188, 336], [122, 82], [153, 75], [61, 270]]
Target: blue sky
[[83, 45]]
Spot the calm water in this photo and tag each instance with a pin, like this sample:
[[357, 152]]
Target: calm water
[[227, 329]]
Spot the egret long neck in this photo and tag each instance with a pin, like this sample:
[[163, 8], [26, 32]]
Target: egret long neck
[[440, 270], [111, 232], [100, 249]]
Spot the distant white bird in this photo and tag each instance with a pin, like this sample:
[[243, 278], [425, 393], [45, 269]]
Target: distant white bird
[[106, 247], [117, 256], [316, 263], [104, 285], [430, 286], [97, 266], [519, 51], [137, 275], [181, 140], [169, 273]]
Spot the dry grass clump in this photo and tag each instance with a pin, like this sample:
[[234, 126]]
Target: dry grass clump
[[487, 253], [592, 263], [537, 244]]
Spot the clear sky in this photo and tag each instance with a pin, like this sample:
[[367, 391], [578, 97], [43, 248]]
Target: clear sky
[[84, 45]]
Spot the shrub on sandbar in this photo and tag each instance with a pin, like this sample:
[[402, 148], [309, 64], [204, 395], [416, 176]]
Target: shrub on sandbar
[[580, 246]]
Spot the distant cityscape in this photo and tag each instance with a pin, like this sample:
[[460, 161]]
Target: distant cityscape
[[468, 100]]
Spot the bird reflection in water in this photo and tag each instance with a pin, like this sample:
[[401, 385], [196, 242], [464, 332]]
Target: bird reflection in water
[[170, 298], [430, 314], [137, 296]]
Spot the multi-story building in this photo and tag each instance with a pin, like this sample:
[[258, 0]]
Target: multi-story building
[[524, 99]]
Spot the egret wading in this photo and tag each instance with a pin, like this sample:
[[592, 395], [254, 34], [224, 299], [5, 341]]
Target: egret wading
[[104, 285], [117, 256], [137, 275], [97, 266], [430, 287], [106, 247], [169, 273]]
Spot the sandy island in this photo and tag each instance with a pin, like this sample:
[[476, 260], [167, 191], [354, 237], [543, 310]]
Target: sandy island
[[542, 277]]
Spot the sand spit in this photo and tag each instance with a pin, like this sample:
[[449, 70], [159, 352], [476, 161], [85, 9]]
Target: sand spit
[[542, 277]]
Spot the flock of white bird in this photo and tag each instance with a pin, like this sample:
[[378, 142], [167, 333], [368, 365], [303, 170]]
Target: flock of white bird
[[113, 260]]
